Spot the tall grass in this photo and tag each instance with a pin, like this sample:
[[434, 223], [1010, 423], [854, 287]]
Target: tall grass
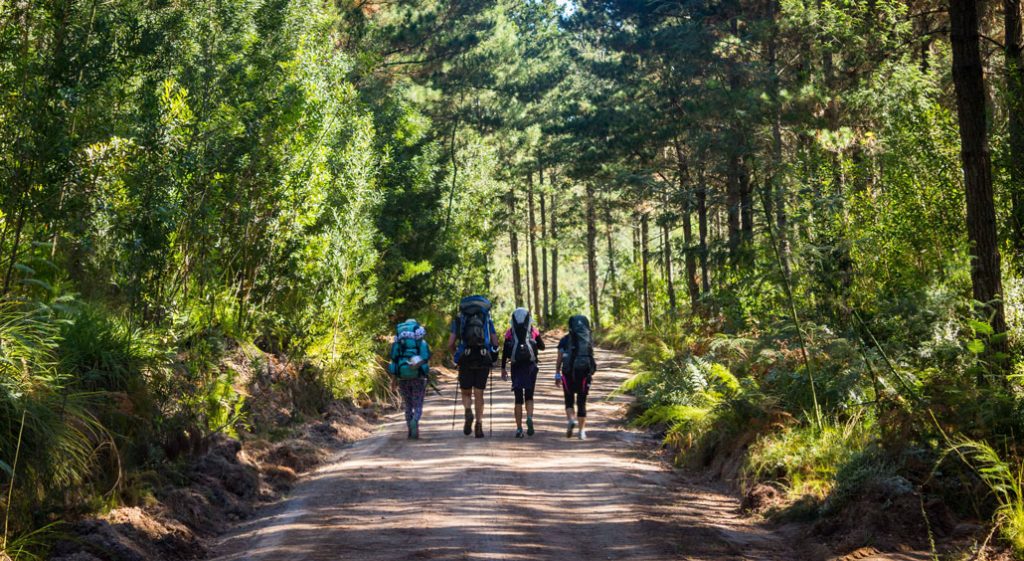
[[806, 458], [1003, 480]]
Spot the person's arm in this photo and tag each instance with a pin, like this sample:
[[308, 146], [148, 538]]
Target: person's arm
[[540, 341], [558, 362], [451, 343]]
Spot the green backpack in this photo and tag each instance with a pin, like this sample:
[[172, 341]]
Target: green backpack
[[409, 343]]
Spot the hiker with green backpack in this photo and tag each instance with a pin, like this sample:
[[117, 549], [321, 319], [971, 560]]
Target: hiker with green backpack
[[410, 356], [575, 362], [473, 344]]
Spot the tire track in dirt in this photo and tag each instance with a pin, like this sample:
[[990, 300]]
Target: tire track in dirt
[[448, 496]]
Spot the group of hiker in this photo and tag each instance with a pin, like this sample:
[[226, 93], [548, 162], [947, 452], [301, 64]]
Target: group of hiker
[[474, 345]]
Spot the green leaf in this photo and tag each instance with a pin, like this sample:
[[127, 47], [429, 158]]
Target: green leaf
[[981, 327], [976, 346]]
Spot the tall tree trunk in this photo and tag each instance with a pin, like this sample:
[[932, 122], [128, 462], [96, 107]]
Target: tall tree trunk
[[534, 270], [683, 174], [746, 204], [545, 310], [636, 239], [969, 83], [702, 229], [1014, 38], [554, 248], [595, 317], [513, 239], [644, 256], [613, 277], [666, 254], [732, 205]]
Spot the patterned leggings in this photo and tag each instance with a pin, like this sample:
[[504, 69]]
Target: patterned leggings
[[413, 392]]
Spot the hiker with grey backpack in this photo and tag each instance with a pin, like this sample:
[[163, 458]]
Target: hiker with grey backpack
[[575, 363], [410, 356], [522, 342], [474, 347]]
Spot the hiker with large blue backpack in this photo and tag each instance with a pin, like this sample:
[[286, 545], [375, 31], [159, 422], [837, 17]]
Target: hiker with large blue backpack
[[474, 347], [410, 356], [575, 362]]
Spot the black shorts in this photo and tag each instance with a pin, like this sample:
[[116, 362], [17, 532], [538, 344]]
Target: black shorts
[[473, 376]]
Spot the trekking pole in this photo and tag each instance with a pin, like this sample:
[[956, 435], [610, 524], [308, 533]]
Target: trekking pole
[[455, 405]]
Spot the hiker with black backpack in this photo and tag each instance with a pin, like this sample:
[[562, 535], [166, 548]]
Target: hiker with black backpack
[[522, 341], [575, 363], [473, 344], [410, 355]]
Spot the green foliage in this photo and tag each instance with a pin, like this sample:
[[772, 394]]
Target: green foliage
[[1004, 480], [807, 458]]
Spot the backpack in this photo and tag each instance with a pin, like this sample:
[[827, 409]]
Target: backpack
[[409, 343], [581, 347], [475, 325], [475, 319], [524, 347]]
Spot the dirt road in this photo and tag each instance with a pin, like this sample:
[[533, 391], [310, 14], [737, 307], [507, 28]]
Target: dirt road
[[448, 496]]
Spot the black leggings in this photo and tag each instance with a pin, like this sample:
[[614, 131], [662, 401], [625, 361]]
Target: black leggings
[[523, 395], [580, 399]]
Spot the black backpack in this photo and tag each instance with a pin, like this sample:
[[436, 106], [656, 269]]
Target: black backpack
[[475, 320], [581, 347], [524, 348]]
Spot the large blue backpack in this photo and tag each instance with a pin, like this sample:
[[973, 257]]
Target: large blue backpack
[[474, 329], [409, 343]]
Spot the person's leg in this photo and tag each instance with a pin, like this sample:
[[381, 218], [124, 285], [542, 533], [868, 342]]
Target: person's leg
[[405, 391], [519, 407], [581, 413], [569, 414], [466, 386], [480, 383], [419, 396], [528, 398]]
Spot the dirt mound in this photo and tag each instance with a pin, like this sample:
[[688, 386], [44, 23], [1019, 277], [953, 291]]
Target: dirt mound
[[886, 513], [762, 498], [225, 484]]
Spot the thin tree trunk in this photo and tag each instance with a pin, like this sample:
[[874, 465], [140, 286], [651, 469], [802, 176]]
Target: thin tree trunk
[[644, 271], [969, 83], [592, 257], [612, 273], [746, 190], [702, 228], [554, 249], [1014, 38], [666, 253], [732, 204], [534, 270], [513, 238], [545, 310], [636, 239], [683, 174]]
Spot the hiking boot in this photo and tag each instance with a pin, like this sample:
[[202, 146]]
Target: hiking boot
[[479, 429], [519, 432], [582, 434], [414, 430], [568, 430], [467, 428], [529, 427]]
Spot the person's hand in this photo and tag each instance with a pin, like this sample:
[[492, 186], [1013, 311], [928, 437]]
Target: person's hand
[[504, 374], [558, 378]]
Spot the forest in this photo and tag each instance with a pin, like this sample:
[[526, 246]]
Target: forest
[[804, 220]]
